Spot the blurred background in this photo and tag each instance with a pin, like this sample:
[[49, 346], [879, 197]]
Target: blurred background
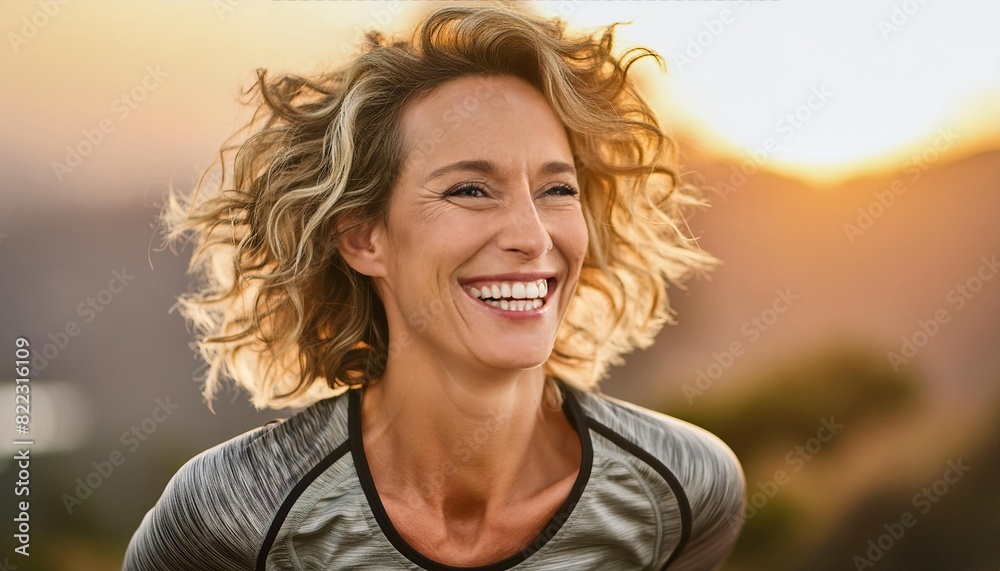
[[848, 349]]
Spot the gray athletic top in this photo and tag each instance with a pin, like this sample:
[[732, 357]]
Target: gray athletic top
[[653, 492]]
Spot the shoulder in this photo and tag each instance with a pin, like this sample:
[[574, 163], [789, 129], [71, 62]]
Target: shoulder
[[706, 474], [217, 507]]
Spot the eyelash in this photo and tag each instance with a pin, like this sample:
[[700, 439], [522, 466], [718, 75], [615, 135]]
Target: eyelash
[[470, 186]]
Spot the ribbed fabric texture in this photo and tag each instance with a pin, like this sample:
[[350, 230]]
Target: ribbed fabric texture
[[653, 493]]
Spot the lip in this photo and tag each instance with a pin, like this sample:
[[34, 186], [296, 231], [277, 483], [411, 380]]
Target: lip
[[513, 277]]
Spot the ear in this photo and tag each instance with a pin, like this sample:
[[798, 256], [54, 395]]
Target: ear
[[362, 246]]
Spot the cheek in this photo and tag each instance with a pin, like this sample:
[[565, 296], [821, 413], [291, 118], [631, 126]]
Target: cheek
[[572, 238], [427, 253]]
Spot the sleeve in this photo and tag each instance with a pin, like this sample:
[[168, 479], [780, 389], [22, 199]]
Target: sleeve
[[200, 521], [716, 493]]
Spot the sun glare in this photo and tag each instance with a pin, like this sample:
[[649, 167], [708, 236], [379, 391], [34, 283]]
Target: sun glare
[[820, 90]]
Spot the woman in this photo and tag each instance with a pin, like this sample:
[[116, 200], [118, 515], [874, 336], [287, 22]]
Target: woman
[[439, 250]]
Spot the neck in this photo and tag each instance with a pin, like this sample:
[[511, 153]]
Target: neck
[[463, 443]]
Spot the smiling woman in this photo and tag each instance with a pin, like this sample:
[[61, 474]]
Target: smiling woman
[[438, 251]]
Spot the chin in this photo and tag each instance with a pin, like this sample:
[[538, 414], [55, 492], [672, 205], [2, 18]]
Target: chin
[[515, 357]]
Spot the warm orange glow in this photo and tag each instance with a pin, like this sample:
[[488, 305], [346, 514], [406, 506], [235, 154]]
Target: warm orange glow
[[843, 89], [824, 91]]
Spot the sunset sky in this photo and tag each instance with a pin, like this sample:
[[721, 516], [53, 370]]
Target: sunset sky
[[824, 91]]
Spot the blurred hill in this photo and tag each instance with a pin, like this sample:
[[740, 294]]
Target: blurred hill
[[776, 234], [794, 331]]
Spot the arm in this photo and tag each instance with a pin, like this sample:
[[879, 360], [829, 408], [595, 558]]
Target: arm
[[716, 492], [202, 520]]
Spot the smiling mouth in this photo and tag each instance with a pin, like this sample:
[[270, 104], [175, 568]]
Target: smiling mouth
[[513, 295]]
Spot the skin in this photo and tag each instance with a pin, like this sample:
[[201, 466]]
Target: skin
[[467, 461]]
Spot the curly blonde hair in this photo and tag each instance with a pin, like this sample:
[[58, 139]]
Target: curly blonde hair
[[281, 312]]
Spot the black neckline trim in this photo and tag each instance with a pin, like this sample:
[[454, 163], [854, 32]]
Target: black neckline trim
[[682, 500], [576, 418], [292, 497]]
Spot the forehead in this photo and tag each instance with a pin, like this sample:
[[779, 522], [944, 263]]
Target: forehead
[[501, 118]]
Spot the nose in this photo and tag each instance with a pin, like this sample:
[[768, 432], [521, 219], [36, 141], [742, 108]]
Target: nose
[[523, 229]]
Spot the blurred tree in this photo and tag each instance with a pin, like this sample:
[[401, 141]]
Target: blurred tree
[[786, 405], [784, 408]]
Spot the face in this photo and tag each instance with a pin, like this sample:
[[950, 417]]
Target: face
[[485, 236]]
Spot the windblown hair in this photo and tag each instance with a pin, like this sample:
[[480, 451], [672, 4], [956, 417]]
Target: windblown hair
[[281, 312]]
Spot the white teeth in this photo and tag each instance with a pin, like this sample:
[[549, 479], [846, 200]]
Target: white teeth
[[535, 290], [531, 291], [517, 290], [516, 305]]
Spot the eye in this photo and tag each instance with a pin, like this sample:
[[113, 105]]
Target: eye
[[563, 190], [468, 190]]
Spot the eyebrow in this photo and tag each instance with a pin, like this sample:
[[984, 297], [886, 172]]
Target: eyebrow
[[491, 168]]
